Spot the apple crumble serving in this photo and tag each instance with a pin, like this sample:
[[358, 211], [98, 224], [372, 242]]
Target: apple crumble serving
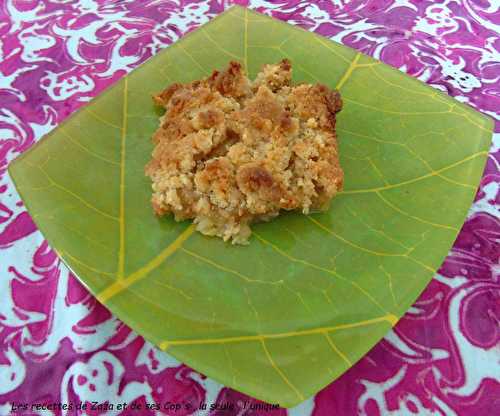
[[230, 152]]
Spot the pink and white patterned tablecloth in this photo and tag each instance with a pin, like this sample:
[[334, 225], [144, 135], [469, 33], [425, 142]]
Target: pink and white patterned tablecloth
[[58, 345]]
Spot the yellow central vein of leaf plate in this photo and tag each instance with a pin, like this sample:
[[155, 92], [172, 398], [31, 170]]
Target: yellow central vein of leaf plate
[[391, 319], [121, 256], [120, 285], [348, 73]]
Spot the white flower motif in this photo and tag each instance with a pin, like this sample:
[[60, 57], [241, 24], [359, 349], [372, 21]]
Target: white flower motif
[[456, 76], [437, 17], [59, 87]]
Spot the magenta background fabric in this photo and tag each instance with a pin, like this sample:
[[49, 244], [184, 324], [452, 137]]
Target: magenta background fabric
[[59, 345]]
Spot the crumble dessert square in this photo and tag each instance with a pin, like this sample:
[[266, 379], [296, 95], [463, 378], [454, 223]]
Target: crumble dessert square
[[230, 151]]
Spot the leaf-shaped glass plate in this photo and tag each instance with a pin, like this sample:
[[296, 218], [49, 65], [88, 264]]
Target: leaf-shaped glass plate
[[282, 317]]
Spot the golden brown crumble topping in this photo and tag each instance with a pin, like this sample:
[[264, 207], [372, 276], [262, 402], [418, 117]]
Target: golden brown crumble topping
[[229, 151]]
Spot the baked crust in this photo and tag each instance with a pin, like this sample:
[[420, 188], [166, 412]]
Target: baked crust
[[229, 151]]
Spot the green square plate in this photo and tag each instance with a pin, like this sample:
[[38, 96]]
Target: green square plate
[[282, 317]]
